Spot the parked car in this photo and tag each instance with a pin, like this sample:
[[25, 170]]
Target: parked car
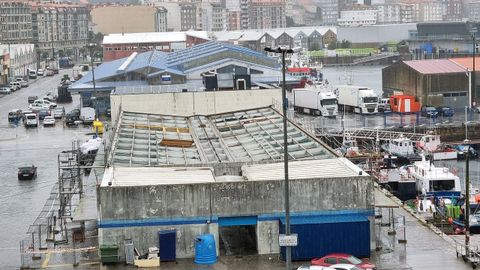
[[42, 103], [384, 105], [445, 111], [31, 120], [50, 97], [22, 82], [462, 150], [314, 267], [40, 72], [72, 117], [15, 115], [429, 111], [48, 121], [14, 86], [5, 90], [31, 99], [346, 266], [341, 258], [43, 113], [32, 74], [49, 72], [59, 112], [27, 173]]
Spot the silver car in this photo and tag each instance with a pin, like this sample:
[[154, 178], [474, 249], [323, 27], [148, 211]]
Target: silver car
[[59, 112], [5, 90]]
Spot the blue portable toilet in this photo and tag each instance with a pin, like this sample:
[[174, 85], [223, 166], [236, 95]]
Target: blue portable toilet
[[205, 249]]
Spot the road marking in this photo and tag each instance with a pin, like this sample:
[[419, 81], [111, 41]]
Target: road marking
[[45, 262]]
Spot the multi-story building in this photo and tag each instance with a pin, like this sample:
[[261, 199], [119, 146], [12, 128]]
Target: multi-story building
[[267, 14], [135, 19], [244, 14], [161, 20], [211, 17], [173, 18], [15, 22], [329, 11], [188, 16], [20, 58], [59, 26], [234, 22], [219, 18], [355, 15], [473, 10], [452, 10], [407, 13], [388, 13], [429, 11]]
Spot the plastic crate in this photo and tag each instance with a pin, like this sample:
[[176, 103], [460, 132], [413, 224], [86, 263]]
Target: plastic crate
[[108, 253]]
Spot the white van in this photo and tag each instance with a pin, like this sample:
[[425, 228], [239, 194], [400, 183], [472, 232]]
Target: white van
[[31, 120], [32, 74], [87, 115]]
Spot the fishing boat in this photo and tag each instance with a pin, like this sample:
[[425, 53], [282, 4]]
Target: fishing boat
[[403, 148], [349, 147], [434, 181], [396, 180], [431, 144]]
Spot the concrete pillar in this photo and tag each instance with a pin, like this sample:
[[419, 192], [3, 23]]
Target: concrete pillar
[[213, 229], [373, 240], [267, 237]]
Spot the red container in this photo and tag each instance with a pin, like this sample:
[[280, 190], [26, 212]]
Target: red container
[[404, 104]]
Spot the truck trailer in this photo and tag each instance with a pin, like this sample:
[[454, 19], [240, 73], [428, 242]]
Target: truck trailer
[[315, 101], [358, 99]]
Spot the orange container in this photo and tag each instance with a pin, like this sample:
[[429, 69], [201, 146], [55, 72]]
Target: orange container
[[404, 104]]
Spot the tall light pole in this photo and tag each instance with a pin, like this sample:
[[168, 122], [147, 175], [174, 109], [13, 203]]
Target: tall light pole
[[467, 199], [473, 93], [288, 250], [91, 46]]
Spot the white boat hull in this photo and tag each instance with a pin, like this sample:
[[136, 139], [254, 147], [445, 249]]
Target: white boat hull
[[445, 155]]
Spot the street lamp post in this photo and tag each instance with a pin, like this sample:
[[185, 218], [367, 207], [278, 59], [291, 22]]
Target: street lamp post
[[467, 199], [472, 95], [91, 46], [288, 251]]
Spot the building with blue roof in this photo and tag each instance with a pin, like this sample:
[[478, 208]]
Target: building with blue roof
[[184, 68]]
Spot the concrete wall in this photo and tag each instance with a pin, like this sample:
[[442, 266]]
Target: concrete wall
[[147, 236], [130, 19], [203, 203], [186, 104]]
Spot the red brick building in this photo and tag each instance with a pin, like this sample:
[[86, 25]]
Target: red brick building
[[116, 46]]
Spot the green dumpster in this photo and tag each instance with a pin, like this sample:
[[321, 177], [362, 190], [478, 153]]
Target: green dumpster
[[109, 253]]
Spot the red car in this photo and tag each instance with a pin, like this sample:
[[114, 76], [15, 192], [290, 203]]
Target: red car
[[336, 258]]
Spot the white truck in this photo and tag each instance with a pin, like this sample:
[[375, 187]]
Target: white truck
[[358, 99], [87, 115], [315, 101]]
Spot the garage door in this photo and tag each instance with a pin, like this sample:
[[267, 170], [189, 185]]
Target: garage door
[[321, 235]]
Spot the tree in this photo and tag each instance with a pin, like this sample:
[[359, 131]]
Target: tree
[[332, 46], [345, 44]]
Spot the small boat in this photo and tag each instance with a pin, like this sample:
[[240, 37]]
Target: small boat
[[27, 173], [403, 148], [349, 147], [396, 180], [431, 144]]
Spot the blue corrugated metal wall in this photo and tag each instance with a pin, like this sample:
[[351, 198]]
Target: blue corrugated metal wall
[[319, 239]]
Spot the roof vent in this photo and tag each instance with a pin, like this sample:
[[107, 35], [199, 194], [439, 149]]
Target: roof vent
[[127, 62]]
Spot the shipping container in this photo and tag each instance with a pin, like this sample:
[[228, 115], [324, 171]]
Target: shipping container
[[322, 235], [404, 104]]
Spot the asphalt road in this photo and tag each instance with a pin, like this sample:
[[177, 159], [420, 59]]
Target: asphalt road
[[21, 201]]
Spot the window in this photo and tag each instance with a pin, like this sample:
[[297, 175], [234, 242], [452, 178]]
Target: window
[[331, 260], [343, 261]]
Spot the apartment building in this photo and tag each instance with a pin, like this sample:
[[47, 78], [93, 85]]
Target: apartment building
[[473, 10], [15, 22], [135, 19], [356, 15], [267, 14], [388, 13], [188, 16], [329, 11], [59, 26]]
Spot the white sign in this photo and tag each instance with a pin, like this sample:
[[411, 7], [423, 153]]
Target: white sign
[[288, 240]]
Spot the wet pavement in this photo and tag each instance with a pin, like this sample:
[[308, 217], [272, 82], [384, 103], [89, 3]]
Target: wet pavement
[[21, 201]]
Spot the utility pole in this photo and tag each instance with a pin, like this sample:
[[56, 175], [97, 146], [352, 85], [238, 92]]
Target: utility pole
[[288, 248], [467, 201]]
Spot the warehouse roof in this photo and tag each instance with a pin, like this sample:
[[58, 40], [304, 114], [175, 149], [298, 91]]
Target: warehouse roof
[[147, 176], [466, 63], [376, 33], [305, 169], [435, 66], [244, 136], [152, 37]]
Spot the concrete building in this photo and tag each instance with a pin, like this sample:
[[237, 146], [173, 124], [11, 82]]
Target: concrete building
[[388, 13], [374, 36], [59, 26], [3, 68], [15, 22], [452, 10], [472, 10], [21, 57], [356, 15], [266, 14], [211, 17], [135, 19], [435, 82], [329, 11], [173, 15], [188, 17], [227, 180], [234, 22], [182, 70], [116, 46], [308, 38]]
